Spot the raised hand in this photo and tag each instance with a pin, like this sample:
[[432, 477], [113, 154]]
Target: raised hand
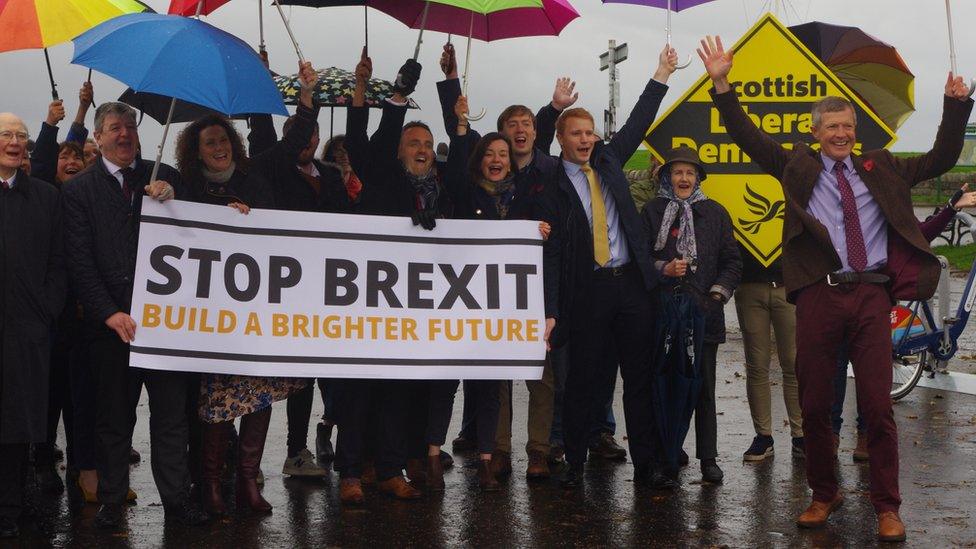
[[717, 61], [86, 95], [407, 78], [55, 112], [563, 95], [957, 88], [449, 62], [364, 69], [308, 79], [667, 63]]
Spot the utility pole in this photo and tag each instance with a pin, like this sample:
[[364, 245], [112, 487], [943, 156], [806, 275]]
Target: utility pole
[[608, 62]]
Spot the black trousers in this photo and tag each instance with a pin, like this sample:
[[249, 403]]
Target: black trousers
[[706, 424], [82, 444], [432, 405], [119, 387], [299, 408], [58, 404], [13, 469], [371, 415], [620, 313]]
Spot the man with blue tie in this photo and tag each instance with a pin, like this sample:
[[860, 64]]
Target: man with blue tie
[[598, 273], [851, 246]]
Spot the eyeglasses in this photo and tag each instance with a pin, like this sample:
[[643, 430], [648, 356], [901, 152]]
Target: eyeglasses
[[8, 135]]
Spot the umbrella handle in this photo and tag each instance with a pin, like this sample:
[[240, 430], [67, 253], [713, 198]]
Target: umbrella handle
[[162, 142], [685, 65], [478, 116], [50, 75], [972, 87], [291, 35]]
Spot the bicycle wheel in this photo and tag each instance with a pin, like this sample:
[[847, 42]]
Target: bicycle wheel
[[907, 370]]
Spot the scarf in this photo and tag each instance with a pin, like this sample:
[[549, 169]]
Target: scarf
[[502, 192], [426, 188], [686, 244], [219, 177]]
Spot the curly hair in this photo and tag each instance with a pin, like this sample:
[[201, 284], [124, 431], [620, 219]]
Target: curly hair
[[474, 161], [188, 148]]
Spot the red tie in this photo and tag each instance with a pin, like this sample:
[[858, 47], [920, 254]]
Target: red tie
[[857, 256], [4, 185], [127, 183]]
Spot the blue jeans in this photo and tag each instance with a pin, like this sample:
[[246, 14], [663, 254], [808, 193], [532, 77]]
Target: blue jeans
[[840, 392]]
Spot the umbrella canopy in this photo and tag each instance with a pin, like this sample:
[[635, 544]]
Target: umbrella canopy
[[871, 68], [675, 378], [510, 18], [674, 5], [157, 107], [322, 3], [182, 58], [335, 89], [26, 24], [188, 8]]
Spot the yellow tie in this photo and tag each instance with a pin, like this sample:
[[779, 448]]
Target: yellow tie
[[601, 238]]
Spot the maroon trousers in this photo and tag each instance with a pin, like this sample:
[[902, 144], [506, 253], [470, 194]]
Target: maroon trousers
[[826, 317]]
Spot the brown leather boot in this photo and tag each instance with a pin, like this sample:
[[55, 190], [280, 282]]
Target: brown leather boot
[[399, 488], [212, 453], [416, 472], [351, 491], [861, 450], [486, 478], [254, 431], [816, 514], [890, 527], [435, 474], [501, 464], [538, 468]]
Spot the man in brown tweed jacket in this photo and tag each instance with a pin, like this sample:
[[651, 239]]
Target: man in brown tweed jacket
[[851, 245]]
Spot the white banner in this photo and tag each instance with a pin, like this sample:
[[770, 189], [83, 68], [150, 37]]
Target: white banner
[[277, 293]]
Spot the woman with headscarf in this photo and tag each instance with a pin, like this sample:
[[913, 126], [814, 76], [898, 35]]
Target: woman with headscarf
[[694, 249]]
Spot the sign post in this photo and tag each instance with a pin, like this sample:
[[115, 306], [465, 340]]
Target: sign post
[[608, 62]]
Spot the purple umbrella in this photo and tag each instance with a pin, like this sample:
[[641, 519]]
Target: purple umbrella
[[670, 5]]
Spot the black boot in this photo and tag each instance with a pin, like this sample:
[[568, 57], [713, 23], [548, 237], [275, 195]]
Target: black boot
[[212, 465], [254, 431], [711, 472], [323, 442]]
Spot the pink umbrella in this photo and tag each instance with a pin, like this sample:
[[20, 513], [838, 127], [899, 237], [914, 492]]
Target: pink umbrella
[[548, 20], [670, 5]]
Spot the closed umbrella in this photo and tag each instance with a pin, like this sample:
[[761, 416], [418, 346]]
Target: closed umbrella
[[181, 58], [32, 24], [675, 370], [873, 69]]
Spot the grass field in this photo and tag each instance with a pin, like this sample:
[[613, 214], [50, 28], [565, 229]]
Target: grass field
[[960, 257]]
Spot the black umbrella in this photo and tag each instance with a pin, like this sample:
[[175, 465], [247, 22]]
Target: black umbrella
[[675, 377], [157, 107], [333, 4]]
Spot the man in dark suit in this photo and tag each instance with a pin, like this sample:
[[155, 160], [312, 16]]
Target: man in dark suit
[[598, 272], [32, 290], [851, 245], [102, 210]]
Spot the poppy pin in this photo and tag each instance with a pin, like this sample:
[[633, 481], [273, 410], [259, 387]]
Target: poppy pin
[[868, 165]]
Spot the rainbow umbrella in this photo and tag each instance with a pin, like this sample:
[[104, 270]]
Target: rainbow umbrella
[[32, 24]]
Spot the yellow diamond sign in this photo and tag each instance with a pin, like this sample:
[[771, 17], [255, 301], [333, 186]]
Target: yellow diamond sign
[[777, 80]]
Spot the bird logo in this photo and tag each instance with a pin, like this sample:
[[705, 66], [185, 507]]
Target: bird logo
[[760, 206]]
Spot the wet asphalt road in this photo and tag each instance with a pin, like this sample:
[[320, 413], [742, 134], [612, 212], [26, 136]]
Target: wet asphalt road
[[754, 508]]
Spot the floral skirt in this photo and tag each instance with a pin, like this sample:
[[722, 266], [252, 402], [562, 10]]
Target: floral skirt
[[225, 397]]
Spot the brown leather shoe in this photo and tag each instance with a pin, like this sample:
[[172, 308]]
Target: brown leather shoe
[[538, 468], [486, 478], [435, 474], [861, 450], [890, 527], [501, 464], [351, 491], [399, 488], [415, 472], [816, 514]]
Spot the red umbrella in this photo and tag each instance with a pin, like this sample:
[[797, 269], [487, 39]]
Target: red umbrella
[[188, 8]]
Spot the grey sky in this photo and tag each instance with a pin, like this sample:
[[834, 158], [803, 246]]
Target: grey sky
[[524, 70]]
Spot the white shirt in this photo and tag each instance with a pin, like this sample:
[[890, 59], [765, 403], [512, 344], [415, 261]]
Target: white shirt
[[10, 182], [116, 171]]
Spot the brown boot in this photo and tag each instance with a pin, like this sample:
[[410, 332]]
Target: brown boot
[[501, 464], [538, 468], [435, 474], [416, 472], [486, 478], [816, 514], [351, 491], [213, 450], [254, 431], [399, 488], [890, 527], [861, 450]]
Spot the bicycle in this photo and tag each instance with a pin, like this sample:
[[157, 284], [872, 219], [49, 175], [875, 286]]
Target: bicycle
[[922, 342]]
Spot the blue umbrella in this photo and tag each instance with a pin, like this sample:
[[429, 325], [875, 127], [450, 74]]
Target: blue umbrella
[[181, 58], [675, 370]]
